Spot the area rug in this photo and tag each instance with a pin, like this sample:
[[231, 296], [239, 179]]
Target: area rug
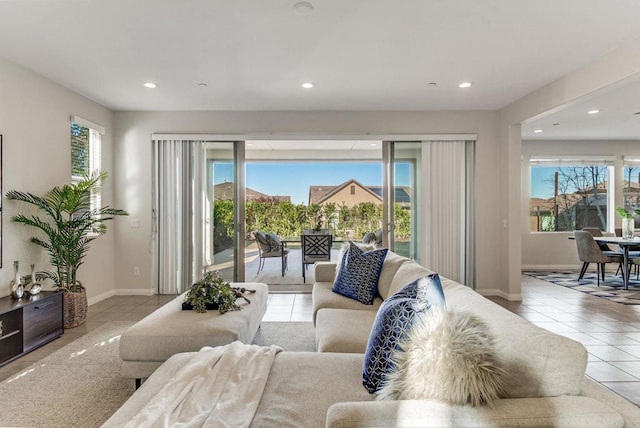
[[611, 289], [80, 385]]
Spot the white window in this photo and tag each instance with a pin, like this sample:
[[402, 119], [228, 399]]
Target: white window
[[631, 185], [569, 194], [86, 140]]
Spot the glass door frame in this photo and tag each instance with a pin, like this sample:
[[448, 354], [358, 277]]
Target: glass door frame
[[389, 160]]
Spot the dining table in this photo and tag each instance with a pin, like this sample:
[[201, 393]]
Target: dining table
[[624, 244]]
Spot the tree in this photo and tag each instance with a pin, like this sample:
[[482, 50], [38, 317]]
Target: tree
[[580, 193]]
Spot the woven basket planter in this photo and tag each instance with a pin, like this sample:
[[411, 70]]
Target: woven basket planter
[[75, 307]]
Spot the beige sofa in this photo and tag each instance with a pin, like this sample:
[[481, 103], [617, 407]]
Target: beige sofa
[[546, 385]]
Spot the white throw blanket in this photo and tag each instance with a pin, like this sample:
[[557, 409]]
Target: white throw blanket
[[218, 387]]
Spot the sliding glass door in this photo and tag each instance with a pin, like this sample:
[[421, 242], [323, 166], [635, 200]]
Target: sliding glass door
[[198, 208], [401, 197], [429, 204], [224, 213]]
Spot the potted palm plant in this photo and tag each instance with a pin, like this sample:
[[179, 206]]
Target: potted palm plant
[[69, 224]]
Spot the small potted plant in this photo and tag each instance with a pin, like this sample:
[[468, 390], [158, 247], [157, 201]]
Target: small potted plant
[[69, 224], [212, 292]]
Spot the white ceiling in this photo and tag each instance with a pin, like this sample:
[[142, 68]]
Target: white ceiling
[[361, 54]]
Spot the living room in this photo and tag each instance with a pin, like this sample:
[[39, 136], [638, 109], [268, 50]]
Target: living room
[[36, 108]]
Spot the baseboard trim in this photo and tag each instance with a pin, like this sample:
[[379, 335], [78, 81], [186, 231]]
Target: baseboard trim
[[124, 292], [556, 267], [499, 293], [100, 297], [135, 292]]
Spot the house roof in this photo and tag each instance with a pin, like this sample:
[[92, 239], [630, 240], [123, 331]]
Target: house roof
[[225, 191], [319, 194]]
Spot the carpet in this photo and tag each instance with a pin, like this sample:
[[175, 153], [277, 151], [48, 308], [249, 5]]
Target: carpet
[[611, 289], [80, 385]]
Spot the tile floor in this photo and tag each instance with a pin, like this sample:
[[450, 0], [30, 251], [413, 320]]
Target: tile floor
[[610, 331]]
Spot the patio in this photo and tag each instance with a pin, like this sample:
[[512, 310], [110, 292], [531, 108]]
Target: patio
[[291, 282]]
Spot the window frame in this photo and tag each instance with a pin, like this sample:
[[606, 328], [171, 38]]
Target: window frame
[[95, 155], [573, 161]]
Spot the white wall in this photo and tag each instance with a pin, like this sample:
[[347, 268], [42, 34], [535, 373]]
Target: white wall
[[36, 155], [613, 67], [555, 250], [133, 169]]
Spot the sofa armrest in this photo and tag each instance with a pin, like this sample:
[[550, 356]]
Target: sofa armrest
[[325, 271], [565, 411]]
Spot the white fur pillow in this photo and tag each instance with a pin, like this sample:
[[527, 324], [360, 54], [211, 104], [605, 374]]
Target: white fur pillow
[[448, 356]]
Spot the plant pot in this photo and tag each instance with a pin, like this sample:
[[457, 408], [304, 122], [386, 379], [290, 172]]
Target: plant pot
[[75, 307]]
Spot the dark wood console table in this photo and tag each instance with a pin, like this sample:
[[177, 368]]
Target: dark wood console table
[[28, 323]]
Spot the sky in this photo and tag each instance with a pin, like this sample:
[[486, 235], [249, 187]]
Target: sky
[[294, 179]]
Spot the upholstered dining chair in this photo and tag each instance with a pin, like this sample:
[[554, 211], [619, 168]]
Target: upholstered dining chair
[[596, 231], [269, 246], [590, 252], [315, 248]]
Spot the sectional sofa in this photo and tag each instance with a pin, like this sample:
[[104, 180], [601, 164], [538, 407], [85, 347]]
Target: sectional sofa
[[546, 383]]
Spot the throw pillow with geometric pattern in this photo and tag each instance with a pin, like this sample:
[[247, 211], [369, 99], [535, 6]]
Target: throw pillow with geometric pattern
[[392, 323], [359, 273]]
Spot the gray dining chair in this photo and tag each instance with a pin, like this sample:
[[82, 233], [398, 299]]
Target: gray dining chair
[[596, 231], [315, 248], [590, 252]]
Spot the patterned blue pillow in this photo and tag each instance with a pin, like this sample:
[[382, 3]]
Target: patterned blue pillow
[[359, 273], [393, 321]]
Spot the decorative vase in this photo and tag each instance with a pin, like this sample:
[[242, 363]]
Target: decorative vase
[[75, 307], [17, 287], [628, 226], [35, 286]]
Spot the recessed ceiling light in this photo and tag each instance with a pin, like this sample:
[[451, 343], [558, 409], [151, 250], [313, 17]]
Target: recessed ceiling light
[[202, 84], [150, 85], [594, 111], [464, 85], [637, 113], [537, 131], [432, 84], [303, 8], [556, 124], [308, 85]]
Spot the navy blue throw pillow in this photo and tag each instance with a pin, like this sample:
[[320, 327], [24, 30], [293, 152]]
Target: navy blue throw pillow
[[359, 273], [393, 320]]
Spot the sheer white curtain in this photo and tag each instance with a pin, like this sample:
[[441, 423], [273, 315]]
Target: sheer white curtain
[[178, 209], [448, 204]]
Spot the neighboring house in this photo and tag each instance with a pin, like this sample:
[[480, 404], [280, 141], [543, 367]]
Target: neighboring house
[[583, 206], [224, 192], [352, 192]]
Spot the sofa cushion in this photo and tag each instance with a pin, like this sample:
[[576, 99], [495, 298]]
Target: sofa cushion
[[390, 266], [538, 363], [343, 330], [358, 275], [448, 356], [393, 320], [406, 274], [324, 297]]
